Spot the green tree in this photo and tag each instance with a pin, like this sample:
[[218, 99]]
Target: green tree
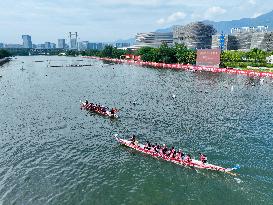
[[184, 55], [4, 53], [257, 55], [107, 51], [166, 54], [72, 53], [146, 53]]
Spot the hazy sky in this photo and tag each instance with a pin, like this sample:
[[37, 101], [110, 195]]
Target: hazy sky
[[107, 20]]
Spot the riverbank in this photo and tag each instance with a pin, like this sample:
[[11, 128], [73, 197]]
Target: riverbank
[[188, 67], [4, 60]]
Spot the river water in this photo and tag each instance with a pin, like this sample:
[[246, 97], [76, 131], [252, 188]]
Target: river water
[[51, 152]]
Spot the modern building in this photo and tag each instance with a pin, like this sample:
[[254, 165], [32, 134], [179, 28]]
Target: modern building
[[73, 43], [52, 45], [61, 43], [100, 46], [86, 45], [13, 46], [40, 46], [83, 45], [194, 35], [246, 38], [73, 37], [1, 45], [92, 46], [27, 43], [224, 42], [154, 39], [47, 45], [122, 45]]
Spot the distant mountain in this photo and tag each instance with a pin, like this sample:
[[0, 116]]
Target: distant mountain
[[226, 26], [165, 30]]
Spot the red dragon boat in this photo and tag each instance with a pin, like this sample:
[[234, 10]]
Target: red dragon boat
[[193, 163], [94, 109]]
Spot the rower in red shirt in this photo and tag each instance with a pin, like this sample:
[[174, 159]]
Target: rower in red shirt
[[203, 158]]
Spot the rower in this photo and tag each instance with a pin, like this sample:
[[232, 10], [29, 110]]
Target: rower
[[173, 154], [103, 109], [188, 158], [170, 153], [133, 139], [148, 145], [164, 149], [179, 155], [112, 111], [86, 102], [91, 106], [203, 158], [156, 148]]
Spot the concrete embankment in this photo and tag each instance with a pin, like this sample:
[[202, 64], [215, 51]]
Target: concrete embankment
[[4, 60]]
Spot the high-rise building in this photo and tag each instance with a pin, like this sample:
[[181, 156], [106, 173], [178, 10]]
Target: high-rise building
[[27, 41], [13, 46], [47, 45], [100, 46], [92, 46], [40, 46], [73, 40], [1, 45], [61, 43], [52, 45], [122, 45], [73, 43], [83, 45]]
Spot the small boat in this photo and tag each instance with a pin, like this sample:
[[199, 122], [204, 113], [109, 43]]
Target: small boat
[[90, 108], [192, 164]]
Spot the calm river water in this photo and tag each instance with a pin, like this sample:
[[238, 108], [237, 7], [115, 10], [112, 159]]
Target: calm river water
[[51, 152]]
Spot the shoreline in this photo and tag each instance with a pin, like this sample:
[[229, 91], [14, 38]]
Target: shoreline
[[4, 60], [188, 67]]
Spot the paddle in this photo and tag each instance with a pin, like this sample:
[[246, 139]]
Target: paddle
[[228, 170], [237, 166]]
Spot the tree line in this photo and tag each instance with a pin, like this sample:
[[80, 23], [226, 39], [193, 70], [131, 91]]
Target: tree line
[[4, 53], [179, 53], [255, 57], [164, 54]]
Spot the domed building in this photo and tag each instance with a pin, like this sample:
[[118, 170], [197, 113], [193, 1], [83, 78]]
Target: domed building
[[194, 35]]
